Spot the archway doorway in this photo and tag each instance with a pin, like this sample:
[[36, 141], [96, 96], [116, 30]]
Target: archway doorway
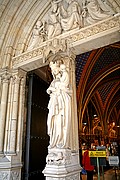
[[36, 140]]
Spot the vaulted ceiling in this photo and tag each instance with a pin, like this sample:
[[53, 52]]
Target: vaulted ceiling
[[98, 83]]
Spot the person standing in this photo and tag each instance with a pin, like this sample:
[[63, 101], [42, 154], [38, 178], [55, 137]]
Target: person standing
[[87, 164]]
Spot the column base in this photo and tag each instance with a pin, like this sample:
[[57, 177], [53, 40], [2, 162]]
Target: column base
[[10, 167], [62, 164]]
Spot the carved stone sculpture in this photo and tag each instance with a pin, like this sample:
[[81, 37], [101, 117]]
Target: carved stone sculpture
[[59, 116], [54, 158], [53, 25], [71, 18], [93, 12], [66, 15], [59, 157], [38, 35]]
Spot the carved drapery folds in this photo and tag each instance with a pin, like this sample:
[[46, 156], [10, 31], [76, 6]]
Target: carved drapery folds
[[69, 15], [12, 89], [61, 121], [63, 158], [59, 116]]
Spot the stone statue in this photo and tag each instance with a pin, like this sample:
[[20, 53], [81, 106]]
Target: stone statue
[[38, 35], [59, 116], [71, 18], [53, 25], [93, 12]]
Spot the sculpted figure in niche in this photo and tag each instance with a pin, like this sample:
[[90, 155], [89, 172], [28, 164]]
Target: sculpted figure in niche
[[93, 12], [38, 35], [71, 18], [53, 25], [59, 116]]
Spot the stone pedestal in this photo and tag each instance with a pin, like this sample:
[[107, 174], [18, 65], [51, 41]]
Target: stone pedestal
[[62, 164], [10, 167]]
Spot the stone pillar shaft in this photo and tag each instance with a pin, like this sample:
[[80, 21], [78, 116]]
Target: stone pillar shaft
[[74, 105], [9, 109], [11, 122], [14, 115], [20, 118], [3, 111]]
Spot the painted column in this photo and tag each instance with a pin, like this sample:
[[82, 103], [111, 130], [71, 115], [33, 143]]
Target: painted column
[[4, 96]]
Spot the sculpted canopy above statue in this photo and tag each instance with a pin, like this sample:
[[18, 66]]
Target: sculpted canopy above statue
[[66, 15]]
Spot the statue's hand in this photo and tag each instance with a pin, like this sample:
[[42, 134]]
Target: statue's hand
[[48, 91]]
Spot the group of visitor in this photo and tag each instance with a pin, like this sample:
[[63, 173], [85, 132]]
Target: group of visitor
[[88, 168]]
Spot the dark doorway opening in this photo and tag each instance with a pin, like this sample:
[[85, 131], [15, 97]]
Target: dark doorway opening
[[37, 139]]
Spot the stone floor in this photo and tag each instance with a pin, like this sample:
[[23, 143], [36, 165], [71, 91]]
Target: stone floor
[[108, 175]]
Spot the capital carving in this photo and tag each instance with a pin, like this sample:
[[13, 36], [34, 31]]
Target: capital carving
[[16, 79], [19, 76], [5, 76]]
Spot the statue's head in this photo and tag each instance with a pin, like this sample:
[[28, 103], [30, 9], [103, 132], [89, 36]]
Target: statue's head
[[62, 67], [38, 24], [54, 68]]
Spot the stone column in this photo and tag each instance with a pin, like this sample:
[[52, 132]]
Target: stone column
[[20, 114], [14, 115], [8, 114], [71, 60], [4, 95], [13, 127], [14, 120], [63, 162]]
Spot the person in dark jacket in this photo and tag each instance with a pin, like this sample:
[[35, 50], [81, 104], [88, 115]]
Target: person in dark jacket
[[87, 164]]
